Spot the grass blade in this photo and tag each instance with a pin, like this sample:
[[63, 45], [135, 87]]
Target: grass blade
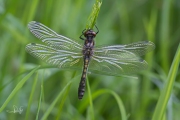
[[166, 92], [94, 14], [57, 99], [116, 96], [39, 103], [90, 101], [118, 99], [16, 89], [62, 102], [30, 98], [164, 33]]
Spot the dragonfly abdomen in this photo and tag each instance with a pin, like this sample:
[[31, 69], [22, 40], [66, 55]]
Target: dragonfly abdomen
[[82, 83]]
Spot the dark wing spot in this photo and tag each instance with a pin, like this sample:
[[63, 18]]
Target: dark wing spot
[[33, 43], [141, 60], [37, 23], [146, 41]]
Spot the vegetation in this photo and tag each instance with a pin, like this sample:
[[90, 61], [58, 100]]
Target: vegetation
[[51, 93]]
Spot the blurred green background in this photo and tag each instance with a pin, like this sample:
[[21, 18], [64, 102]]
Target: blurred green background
[[119, 22]]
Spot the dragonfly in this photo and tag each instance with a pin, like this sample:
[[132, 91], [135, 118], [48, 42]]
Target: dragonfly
[[65, 53]]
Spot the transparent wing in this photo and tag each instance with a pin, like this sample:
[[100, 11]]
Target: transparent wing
[[59, 51], [129, 51], [51, 38], [120, 59], [116, 67], [57, 57]]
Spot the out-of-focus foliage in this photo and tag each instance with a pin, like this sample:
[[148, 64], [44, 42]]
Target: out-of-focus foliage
[[119, 22]]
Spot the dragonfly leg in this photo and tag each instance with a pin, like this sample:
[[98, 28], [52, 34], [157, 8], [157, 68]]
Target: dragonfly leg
[[82, 37], [83, 31], [97, 29]]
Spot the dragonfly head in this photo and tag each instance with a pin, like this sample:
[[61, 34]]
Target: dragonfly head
[[89, 34]]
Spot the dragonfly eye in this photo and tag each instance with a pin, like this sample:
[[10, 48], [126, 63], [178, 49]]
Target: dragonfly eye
[[90, 33]]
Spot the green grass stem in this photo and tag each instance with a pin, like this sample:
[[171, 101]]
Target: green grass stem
[[94, 14], [166, 91]]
